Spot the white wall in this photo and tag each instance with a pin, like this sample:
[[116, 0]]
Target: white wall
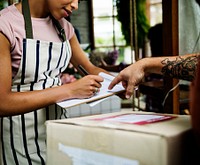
[[189, 26], [80, 19]]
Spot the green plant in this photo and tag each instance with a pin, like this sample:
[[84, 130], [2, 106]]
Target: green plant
[[2, 4], [123, 16]]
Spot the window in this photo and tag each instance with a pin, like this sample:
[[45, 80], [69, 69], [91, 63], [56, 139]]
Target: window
[[107, 29], [155, 12]]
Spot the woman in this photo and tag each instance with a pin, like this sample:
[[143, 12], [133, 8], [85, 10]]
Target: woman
[[36, 47]]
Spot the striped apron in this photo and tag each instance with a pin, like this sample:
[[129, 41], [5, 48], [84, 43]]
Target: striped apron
[[23, 137]]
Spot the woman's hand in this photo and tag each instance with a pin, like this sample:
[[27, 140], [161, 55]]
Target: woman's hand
[[85, 87]]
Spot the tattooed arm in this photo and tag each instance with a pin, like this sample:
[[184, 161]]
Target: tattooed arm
[[181, 67]]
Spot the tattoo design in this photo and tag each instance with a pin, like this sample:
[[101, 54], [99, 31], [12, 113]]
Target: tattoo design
[[181, 68]]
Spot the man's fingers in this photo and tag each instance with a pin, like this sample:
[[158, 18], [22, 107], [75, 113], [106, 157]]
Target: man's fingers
[[129, 91], [115, 81]]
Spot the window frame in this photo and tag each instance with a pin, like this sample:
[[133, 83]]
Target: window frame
[[114, 18]]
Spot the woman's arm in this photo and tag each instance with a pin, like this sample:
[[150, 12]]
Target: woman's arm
[[14, 103]]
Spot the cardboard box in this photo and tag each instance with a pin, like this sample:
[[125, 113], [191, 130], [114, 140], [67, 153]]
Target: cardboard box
[[120, 138]]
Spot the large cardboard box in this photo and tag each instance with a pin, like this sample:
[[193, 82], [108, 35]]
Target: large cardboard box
[[120, 138]]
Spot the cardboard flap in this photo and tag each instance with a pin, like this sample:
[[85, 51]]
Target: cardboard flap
[[170, 125]]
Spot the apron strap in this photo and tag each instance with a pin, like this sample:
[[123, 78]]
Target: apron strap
[[28, 23], [27, 19], [60, 29]]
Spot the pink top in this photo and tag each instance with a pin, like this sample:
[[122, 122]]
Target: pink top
[[12, 26]]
